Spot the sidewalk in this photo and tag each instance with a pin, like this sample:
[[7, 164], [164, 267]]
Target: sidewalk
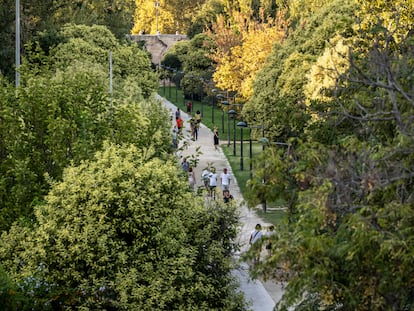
[[263, 296]]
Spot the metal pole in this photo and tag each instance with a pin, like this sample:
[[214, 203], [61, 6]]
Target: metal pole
[[234, 135], [241, 149], [212, 109], [157, 4], [263, 145], [169, 85], [111, 91], [192, 94], [250, 154], [17, 43], [163, 82], [228, 131], [222, 120], [176, 98]]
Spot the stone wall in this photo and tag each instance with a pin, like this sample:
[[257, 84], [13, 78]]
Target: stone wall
[[158, 45]]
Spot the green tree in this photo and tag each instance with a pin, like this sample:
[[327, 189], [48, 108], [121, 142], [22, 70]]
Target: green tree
[[123, 232], [47, 16], [195, 66], [353, 233], [63, 112], [170, 16]]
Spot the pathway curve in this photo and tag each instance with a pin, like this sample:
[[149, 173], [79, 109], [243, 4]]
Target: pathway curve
[[262, 296]]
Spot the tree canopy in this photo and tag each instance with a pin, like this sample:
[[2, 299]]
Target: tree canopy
[[338, 93], [122, 231]]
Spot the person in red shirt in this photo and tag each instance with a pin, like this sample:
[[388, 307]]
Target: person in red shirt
[[180, 123]]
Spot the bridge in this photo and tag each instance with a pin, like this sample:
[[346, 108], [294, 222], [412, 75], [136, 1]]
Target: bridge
[[157, 45]]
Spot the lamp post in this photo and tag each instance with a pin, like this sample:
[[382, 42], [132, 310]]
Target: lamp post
[[220, 96], [212, 106], [201, 95], [242, 125], [226, 103], [17, 43], [192, 93], [169, 81], [233, 113], [156, 4], [163, 80], [175, 83]]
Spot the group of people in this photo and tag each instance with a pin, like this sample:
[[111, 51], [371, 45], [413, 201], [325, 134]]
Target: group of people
[[195, 122], [210, 180], [257, 237]]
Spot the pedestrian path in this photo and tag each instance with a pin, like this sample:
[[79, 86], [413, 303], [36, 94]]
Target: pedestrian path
[[262, 296]]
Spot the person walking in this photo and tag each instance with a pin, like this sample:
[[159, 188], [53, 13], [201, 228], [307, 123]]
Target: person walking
[[205, 177], [175, 139], [193, 128], [213, 183], [225, 178], [185, 165], [255, 242], [191, 178], [270, 236], [180, 124], [189, 106], [216, 138], [197, 116]]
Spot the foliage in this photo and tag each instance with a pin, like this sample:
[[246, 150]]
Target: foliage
[[195, 66], [352, 236], [63, 112], [123, 232], [47, 16], [10, 298], [170, 16], [237, 69], [205, 17]]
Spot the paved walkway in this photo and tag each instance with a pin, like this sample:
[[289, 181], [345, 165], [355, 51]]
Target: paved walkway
[[262, 296]]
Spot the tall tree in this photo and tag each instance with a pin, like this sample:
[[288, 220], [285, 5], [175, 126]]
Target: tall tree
[[63, 112], [170, 16], [349, 245], [123, 232]]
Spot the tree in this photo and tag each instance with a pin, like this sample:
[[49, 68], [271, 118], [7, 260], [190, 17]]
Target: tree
[[63, 112], [123, 232], [194, 64], [48, 16], [170, 16], [354, 217], [237, 69]]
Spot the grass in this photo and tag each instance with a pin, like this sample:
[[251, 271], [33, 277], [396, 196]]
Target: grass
[[213, 116]]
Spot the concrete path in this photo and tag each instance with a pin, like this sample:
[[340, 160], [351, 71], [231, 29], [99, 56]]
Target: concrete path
[[262, 296]]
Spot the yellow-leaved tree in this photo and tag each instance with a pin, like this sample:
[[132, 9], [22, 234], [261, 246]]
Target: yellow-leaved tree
[[244, 53], [167, 17]]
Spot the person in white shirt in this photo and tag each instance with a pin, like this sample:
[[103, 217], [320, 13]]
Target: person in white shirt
[[225, 178], [205, 177], [213, 183]]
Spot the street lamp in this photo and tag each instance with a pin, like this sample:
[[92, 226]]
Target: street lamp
[[157, 4], [213, 91], [169, 81], [201, 95], [242, 125], [163, 79], [226, 103], [220, 96], [175, 71], [233, 113]]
